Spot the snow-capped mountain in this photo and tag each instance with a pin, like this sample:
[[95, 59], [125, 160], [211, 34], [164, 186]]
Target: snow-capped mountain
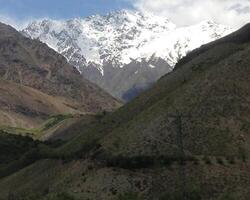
[[101, 47]]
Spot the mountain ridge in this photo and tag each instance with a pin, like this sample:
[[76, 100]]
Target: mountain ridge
[[31, 67], [135, 152], [103, 46]]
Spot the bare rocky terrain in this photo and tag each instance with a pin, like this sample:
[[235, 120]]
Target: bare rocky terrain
[[37, 82]]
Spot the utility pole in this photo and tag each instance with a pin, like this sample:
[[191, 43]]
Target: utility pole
[[182, 173], [182, 156]]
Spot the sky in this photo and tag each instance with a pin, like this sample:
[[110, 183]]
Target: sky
[[234, 13], [20, 12]]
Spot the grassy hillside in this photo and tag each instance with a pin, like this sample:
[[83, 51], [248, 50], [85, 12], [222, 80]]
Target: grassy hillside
[[211, 89], [17, 152], [136, 152], [76, 180], [49, 127]]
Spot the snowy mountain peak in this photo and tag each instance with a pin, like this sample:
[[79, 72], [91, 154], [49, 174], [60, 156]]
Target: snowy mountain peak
[[122, 36], [124, 51]]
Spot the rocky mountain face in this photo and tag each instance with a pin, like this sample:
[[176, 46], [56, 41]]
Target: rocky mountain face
[[123, 44], [37, 82]]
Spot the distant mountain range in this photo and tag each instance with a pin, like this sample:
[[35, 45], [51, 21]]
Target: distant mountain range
[[187, 137], [123, 52]]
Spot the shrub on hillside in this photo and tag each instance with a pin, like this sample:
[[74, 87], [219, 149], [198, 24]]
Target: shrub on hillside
[[129, 196]]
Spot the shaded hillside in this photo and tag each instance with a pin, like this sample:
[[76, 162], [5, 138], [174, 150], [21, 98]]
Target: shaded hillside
[[212, 89], [17, 152], [31, 63], [128, 82], [136, 152], [76, 180]]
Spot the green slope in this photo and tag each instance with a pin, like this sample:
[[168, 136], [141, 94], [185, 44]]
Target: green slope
[[42, 130], [135, 152], [212, 89], [17, 152]]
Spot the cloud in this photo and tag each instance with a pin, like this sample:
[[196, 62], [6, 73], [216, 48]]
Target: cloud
[[234, 13], [185, 12], [16, 23], [8, 20]]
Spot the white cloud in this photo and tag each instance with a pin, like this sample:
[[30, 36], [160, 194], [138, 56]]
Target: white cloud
[[7, 20], [235, 13], [18, 24]]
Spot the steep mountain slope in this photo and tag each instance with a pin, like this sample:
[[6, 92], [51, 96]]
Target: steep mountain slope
[[104, 48], [127, 82], [37, 82], [23, 106], [136, 152], [210, 88], [209, 85]]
